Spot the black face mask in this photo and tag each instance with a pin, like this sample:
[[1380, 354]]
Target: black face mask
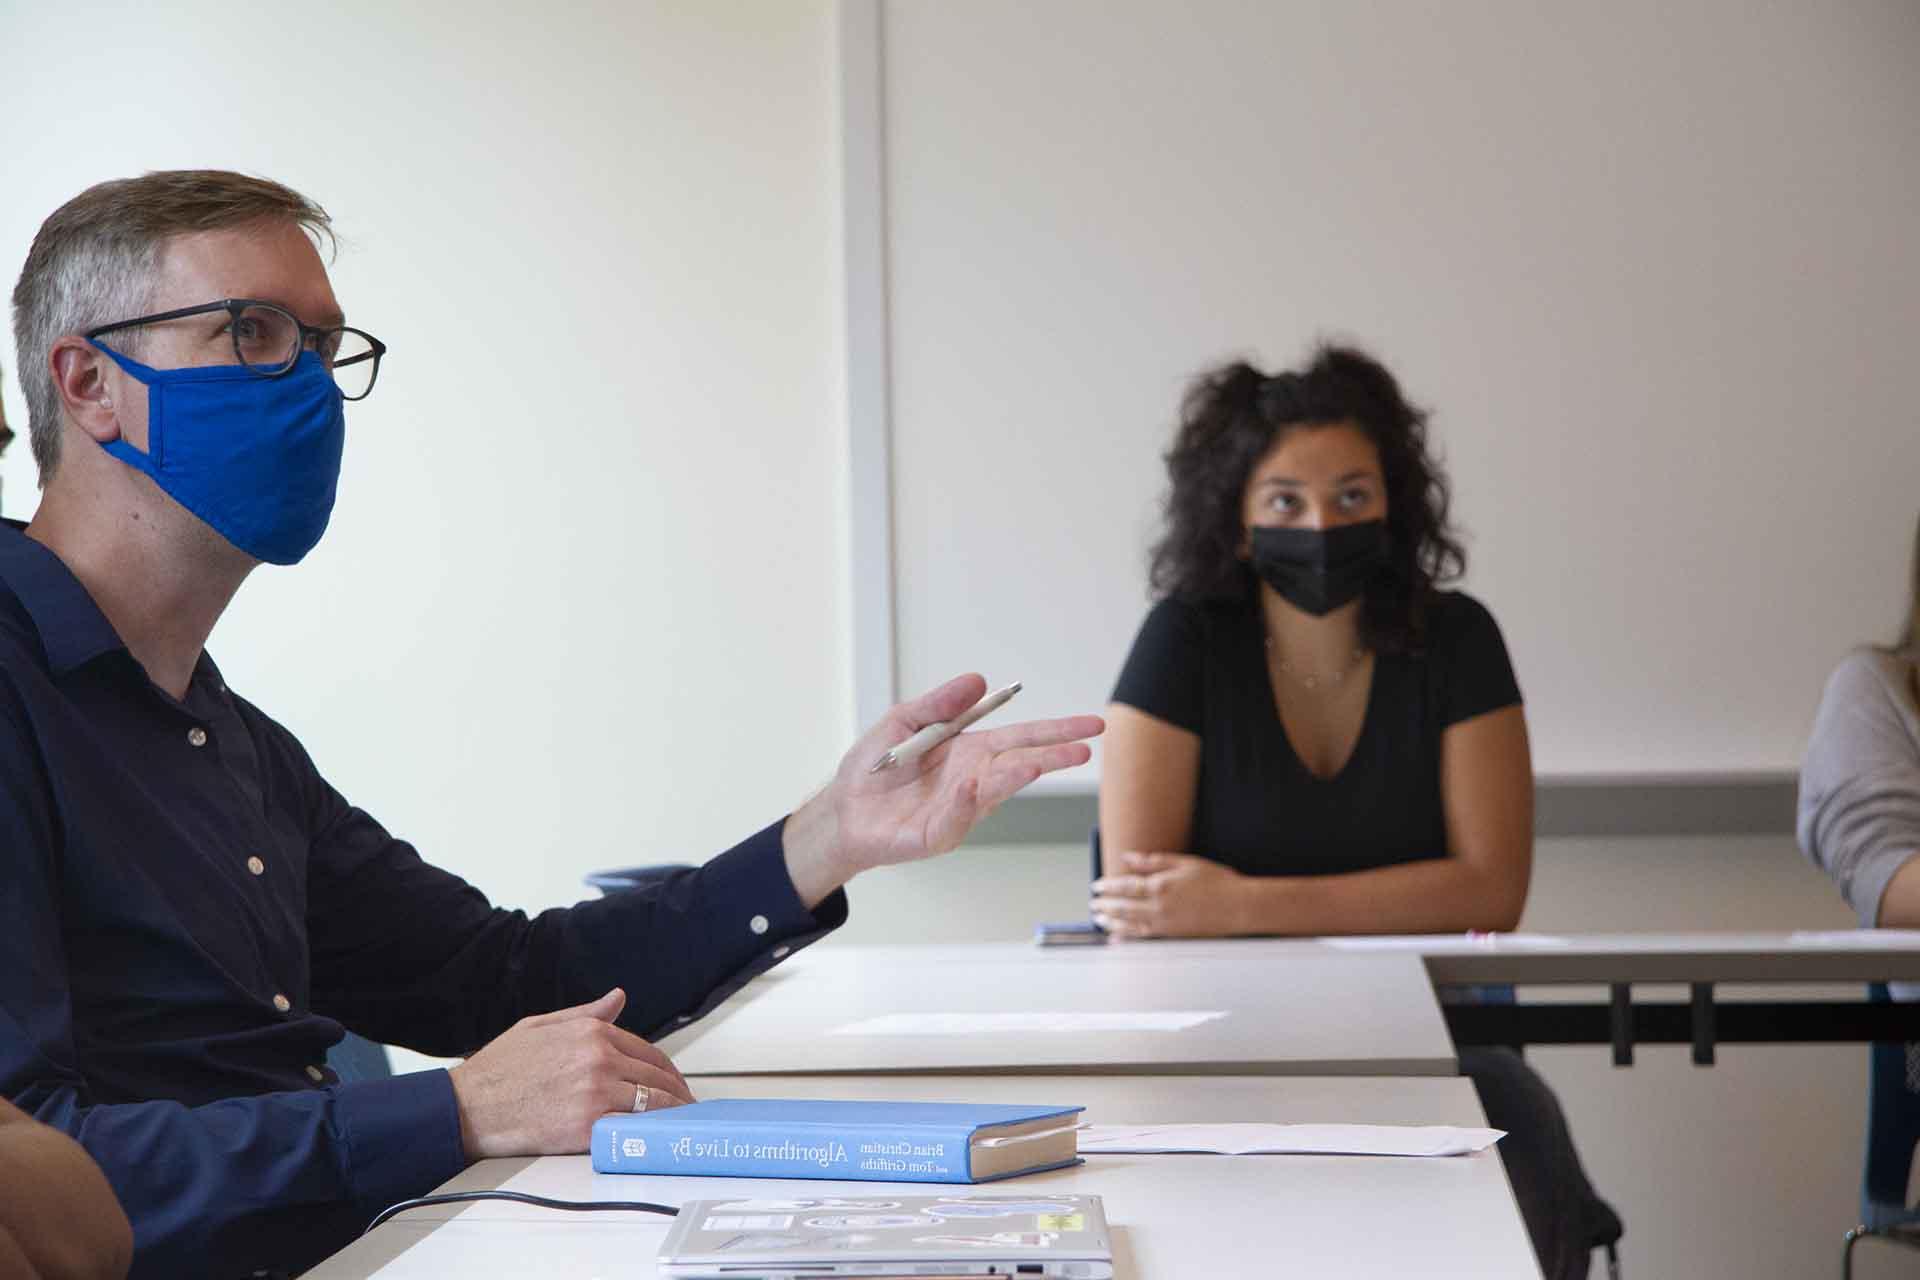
[[1319, 570]]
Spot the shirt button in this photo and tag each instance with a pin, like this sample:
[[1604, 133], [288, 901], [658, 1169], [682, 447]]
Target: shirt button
[[781, 953], [316, 1075], [197, 736], [758, 924], [256, 866], [281, 1003]]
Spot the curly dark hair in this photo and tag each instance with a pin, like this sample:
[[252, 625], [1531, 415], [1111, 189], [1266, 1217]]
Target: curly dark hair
[[1232, 415]]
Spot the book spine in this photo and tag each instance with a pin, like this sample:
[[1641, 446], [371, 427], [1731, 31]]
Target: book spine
[[620, 1145]]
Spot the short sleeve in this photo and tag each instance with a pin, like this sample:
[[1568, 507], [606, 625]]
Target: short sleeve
[[1471, 659], [1164, 674]]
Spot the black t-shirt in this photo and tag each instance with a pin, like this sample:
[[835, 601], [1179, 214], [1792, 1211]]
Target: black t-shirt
[[1257, 808]]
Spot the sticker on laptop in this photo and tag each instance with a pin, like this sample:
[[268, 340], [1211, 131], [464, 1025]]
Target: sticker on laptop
[[851, 1240], [760, 1241], [998, 1240], [749, 1222], [870, 1221], [794, 1206], [996, 1208]]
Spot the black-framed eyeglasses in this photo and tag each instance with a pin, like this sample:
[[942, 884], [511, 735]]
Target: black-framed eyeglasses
[[268, 338]]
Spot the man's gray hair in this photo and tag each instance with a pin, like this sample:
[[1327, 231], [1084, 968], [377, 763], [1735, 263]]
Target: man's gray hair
[[96, 261]]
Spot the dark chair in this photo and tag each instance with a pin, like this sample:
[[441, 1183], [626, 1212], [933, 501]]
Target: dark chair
[[630, 879], [357, 1058], [1893, 1131]]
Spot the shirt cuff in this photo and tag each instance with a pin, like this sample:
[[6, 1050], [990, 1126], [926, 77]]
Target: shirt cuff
[[401, 1136], [754, 916], [748, 889]]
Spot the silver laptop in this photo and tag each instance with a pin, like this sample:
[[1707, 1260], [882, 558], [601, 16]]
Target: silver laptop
[[920, 1236]]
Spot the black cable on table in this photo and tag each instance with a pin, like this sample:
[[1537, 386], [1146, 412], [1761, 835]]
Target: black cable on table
[[521, 1197]]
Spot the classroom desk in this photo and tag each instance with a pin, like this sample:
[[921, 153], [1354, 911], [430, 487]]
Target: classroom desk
[[1320, 1013], [1857, 955], [1179, 1216], [1625, 964], [1704, 962]]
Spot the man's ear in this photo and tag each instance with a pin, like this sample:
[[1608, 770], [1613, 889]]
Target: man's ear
[[80, 378]]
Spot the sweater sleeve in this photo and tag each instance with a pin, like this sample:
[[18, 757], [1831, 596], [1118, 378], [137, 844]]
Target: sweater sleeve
[[1859, 808]]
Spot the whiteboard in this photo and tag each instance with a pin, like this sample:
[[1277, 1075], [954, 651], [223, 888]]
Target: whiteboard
[[1654, 268]]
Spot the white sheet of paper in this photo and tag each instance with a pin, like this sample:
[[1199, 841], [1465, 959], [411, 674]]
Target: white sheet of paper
[[1447, 942], [1288, 1139], [1893, 939], [967, 1024]]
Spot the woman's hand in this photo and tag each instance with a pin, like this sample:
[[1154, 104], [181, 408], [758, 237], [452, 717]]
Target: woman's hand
[[1167, 895]]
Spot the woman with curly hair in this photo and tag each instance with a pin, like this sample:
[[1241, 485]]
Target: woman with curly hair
[[1311, 736]]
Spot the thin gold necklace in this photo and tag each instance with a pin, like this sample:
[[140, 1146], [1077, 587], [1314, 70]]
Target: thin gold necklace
[[1312, 680]]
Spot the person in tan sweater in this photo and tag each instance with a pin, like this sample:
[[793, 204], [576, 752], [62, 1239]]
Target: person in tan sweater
[[58, 1219], [1860, 784]]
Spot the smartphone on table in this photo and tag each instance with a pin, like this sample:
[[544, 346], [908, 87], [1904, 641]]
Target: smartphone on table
[[1075, 933]]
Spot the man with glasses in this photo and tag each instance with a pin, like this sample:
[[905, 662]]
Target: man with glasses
[[191, 913]]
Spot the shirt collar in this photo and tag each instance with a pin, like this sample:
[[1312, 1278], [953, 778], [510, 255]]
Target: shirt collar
[[72, 629]]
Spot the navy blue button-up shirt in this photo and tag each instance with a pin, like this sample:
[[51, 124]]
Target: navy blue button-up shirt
[[189, 915]]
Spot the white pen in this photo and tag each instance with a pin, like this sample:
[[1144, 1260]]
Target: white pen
[[940, 730]]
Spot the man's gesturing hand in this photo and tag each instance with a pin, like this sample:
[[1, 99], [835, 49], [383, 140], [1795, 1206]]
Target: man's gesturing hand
[[865, 819], [537, 1089]]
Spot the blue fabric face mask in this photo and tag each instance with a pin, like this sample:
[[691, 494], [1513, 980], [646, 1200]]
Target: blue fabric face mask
[[257, 458]]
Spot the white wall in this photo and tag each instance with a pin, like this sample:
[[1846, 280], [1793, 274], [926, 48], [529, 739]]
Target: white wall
[[581, 603], [1653, 265]]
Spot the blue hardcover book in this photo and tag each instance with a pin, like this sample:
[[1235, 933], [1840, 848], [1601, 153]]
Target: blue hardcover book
[[867, 1141]]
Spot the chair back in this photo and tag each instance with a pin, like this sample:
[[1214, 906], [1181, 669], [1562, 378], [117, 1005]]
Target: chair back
[[633, 879], [356, 1058]]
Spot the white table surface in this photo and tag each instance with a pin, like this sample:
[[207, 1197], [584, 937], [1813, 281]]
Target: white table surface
[[1777, 958], [1812, 957], [1855, 956], [1181, 1216], [1309, 1012]]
